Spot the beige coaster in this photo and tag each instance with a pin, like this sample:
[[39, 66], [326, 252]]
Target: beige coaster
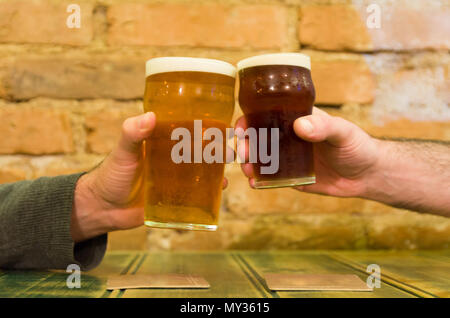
[[156, 281], [316, 282]]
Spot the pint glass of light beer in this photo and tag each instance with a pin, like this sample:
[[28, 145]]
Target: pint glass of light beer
[[274, 90], [188, 96]]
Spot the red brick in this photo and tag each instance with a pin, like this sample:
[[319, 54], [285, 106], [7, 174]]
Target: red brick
[[406, 231], [11, 174], [35, 131], [333, 27], [405, 128], [398, 229], [419, 94], [50, 166], [256, 26], [342, 81], [406, 26], [104, 127], [78, 78], [43, 22], [241, 200], [134, 239], [423, 25], [393, 126]]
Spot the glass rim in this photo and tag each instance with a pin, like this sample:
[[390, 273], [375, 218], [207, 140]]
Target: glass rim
[[188, 64], [293, 59]]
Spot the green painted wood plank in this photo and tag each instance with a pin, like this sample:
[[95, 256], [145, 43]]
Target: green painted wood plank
[[127, 270], [425, 273], [225, 275], [16, 283], [312, 263], [250, 273], [441, 256], [135, 256], [239, 274]]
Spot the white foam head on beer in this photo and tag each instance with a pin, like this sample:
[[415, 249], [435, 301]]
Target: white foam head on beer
[[188, 64], [294, 59]]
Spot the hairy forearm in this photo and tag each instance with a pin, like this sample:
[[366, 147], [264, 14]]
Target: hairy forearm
[[412, 174]]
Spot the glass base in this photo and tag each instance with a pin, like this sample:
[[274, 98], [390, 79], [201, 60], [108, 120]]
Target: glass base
[[181, 226], [281, 183]]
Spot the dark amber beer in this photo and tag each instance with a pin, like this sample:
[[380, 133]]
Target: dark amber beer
[[274, 90], [179, 90]]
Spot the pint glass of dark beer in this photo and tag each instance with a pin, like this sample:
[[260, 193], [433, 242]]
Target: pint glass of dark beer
[[274, 90], [190, 97]]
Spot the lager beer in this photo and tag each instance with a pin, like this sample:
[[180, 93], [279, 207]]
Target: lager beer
[[179, 90]]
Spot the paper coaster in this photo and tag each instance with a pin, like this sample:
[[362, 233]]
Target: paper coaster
[[346, 282], [156, 281]]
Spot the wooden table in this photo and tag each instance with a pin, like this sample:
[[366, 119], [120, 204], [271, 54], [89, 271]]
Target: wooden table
[[240, 274]]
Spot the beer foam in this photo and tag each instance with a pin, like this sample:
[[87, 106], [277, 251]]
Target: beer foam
[[295, 59], [188, 64]]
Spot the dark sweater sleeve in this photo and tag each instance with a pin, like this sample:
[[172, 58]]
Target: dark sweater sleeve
[[35, 226]]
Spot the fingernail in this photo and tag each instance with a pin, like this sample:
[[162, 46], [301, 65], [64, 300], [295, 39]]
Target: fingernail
[[144, 122], [306, 126]]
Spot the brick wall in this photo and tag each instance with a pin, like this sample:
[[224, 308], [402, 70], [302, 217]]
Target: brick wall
[[64, 93]]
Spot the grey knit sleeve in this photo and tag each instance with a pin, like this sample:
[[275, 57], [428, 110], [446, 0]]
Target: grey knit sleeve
[[35, 226]]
